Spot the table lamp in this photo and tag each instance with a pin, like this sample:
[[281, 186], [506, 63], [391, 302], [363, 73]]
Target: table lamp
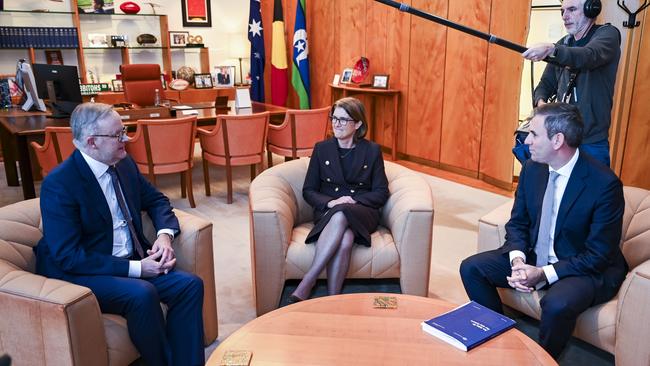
[[239, 48]]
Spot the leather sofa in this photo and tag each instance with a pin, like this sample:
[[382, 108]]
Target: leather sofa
[[619, 326], [281, 219], [52, 322]]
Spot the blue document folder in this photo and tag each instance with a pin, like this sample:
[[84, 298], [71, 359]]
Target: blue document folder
[[468, 325]]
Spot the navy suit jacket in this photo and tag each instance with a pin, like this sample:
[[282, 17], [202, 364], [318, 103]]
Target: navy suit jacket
[[588, 227], [325, 179], [77, 223]]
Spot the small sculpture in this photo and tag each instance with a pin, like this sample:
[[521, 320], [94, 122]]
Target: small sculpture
[[146, 38], [186, 73]]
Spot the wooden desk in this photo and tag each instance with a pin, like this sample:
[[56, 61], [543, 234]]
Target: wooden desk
[[18, 128], [373, 93], [347, 330]]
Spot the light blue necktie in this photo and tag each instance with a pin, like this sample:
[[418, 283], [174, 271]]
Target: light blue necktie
[[543, 246]]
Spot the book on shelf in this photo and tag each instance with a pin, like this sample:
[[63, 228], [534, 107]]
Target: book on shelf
[[468, 325]]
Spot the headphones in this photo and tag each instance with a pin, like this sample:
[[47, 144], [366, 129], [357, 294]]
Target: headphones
[[592, 8]]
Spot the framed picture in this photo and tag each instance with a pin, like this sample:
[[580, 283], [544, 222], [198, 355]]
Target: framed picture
[[97, 40], [178, 39], [54, 57], [224, 75], [117, 85], [202, 81], [336, 79], [196, 13], [96, 6], [346, 76], [380, 81]]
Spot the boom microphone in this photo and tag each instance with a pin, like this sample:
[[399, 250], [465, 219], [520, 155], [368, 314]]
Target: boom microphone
[[448, 23]]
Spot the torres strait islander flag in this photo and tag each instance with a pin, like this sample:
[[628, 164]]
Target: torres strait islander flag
[[300, 69], [279, 79], [256, 37]]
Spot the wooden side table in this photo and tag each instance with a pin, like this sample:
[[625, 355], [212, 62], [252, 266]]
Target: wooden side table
[[347, 330], [373, 93]]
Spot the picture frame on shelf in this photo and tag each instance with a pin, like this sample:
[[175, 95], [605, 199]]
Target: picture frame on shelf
[[163, 80], [380, 81], [117, 85], [337, 78], [346, 76], [97, 40], [96, 6], [224, 75], [202, 81], [178, 38], [196, 13], [54, 57]]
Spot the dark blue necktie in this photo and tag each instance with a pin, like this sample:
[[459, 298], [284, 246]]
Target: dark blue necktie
[[125, 211]]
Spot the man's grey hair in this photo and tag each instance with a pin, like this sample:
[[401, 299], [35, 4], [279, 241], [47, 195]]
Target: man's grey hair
[[562, 118], [85, 118]]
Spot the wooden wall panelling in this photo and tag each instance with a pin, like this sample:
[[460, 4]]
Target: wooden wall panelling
[[352, 32], [502, 89], [323, 60], [625, 79], [376, 52], [464, 87], [635, 165], [424, 91]]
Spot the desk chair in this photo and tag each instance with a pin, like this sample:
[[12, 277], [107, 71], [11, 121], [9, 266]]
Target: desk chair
[[298, 134], [139, 82], [57, 147], [164, 146], [234, 141]]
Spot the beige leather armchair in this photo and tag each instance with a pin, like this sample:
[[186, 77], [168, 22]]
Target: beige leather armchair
[[619, 326], [47, 321], [281, 220]]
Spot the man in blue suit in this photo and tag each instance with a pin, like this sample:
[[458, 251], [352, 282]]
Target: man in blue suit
[[92, 236], [563, 234]]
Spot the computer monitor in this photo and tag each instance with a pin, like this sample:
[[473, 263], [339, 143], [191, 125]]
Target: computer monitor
[[25, 79], [60, 85]]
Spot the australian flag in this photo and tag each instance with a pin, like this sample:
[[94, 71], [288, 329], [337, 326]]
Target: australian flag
[[256, 37]]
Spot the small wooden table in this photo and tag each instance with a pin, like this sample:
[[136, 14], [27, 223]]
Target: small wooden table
[[347, 330], [373, 93]]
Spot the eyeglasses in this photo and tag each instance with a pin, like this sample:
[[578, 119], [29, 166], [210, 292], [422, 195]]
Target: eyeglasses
[[341, 120], [121, 136]]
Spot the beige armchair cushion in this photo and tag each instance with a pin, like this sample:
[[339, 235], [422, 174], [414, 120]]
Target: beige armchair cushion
[[619, 326], [281, 220], [53, 322]]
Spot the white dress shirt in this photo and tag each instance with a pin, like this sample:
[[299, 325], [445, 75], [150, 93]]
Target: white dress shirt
[[564, 173], [122, 244]]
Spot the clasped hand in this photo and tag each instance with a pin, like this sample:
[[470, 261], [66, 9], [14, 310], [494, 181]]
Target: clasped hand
[[340, 200], [161, 258], [524, 277]]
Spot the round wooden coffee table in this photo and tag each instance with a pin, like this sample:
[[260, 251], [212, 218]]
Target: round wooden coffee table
[[347, 330]]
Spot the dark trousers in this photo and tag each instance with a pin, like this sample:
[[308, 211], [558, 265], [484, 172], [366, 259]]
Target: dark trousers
[[179, 340], [561, 305]]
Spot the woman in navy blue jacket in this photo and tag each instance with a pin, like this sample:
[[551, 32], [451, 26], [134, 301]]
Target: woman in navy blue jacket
[[346, 185]]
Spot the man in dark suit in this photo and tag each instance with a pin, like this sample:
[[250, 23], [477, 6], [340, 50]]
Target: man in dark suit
[[92, 236], [563, 234]]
